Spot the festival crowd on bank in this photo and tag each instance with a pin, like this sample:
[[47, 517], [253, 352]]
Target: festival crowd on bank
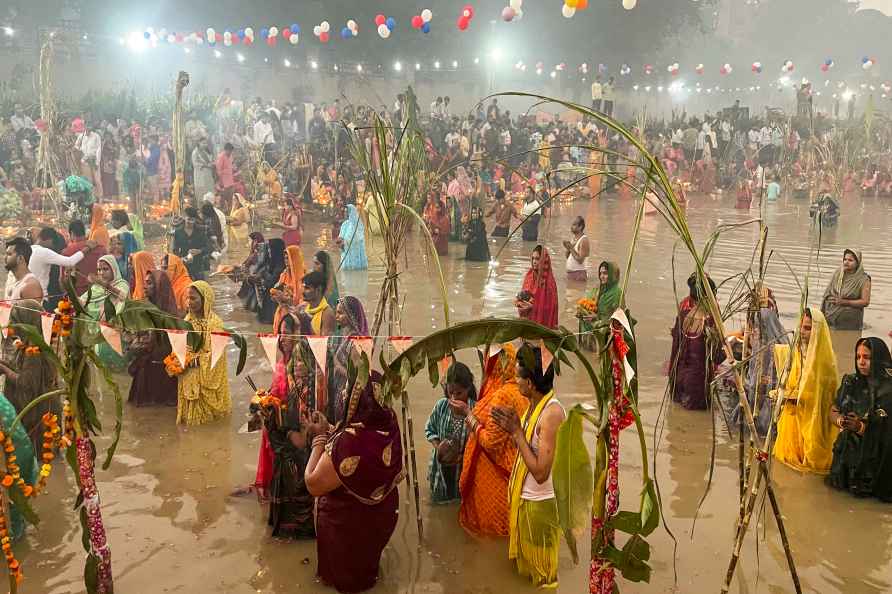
[[331, 460]]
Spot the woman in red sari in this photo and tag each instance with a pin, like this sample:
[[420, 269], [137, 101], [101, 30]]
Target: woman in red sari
[[439, 226], [538, 300], [354, 473]]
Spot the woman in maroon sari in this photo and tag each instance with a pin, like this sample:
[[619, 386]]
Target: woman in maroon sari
[[439, 226], [696, 350], [151, 385], [354, 473], [538, 300]]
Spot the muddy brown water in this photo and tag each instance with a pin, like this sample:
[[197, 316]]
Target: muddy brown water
[[173, 527]]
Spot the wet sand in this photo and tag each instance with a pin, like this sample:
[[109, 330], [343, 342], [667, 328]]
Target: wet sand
[[173, 528]]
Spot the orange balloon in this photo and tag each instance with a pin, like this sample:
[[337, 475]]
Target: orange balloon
[[581, 4]]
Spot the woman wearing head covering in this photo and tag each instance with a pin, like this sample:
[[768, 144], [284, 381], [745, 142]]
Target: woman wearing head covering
[[489, 453], [203, 389], [141, 263], [249, 267], [292, 222], [438, 224], [239, 221], [354, 475], [862, 454], [98, 230], [848, 294], [288, 283], [151, 385], [696, 351], [607, 295], [766, 333], [352, 241], [322, 263], [537, 300], [180, 280], [28, 377], [805, 433], [107, 284], [475, 235], [351, 319], [459, 192]]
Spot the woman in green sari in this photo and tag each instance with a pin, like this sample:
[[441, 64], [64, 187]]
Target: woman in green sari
[[106, 283], [607, 295]]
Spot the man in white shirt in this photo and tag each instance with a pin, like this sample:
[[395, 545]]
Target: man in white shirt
[[43, 258], [452, 138], [437, 109], [597, 94], [90, 145], [19, 120], [607, 97], [263, 131], [21, 283]]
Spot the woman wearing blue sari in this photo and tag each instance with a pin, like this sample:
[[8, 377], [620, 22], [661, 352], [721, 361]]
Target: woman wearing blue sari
[[352, 241]]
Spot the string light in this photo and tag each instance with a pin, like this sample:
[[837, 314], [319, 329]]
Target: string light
[[437, 64], [417, 66], [240, 58], [359, 68], [314, 65], [287, 63], [398, 66]]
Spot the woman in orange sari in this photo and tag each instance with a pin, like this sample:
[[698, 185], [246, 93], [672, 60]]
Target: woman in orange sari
[[290, 284], [141, 264], [98, 230], [489, 452], [179, 279]]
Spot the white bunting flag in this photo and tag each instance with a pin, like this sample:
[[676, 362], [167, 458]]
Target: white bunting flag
[[219, 340], [364, 344], [620, 316], [443, 366], [401, 343], [493, 349], [319, 346], [547, 357], [270, 344], [46, 324], [112, 337], [178, 345], [5, 312]]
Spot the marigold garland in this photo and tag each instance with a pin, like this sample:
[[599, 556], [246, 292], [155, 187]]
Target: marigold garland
[[587, 306], [6, 542], [172, 364]]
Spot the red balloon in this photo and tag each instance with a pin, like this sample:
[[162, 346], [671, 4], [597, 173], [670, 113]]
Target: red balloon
[[179, 38], [380, 20], [286, 33], [824, 67], [235, 39], [323, 37], [249, 40], [270, 41], [417, 21], [463, 23], [199, 34], [219, 37]]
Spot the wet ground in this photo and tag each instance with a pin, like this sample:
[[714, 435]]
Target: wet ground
[[173, 527]]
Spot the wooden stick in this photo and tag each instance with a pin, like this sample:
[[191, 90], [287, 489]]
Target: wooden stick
[[775, 508]]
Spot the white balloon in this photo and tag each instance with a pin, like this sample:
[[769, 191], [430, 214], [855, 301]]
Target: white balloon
[[325, 26], [568, 11], [212, 35], [227, 41], [294, 39], [427, 15], [515, 4], [249, 32], [518, 15], [351, 24], [227, 35], [171, 38], [466, 14], [273, 31], [383, 31], [629, 4], [317, 30], [355, 31]]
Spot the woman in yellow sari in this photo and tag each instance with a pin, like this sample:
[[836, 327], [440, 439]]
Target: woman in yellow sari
[[239, 221], [202, 390], [805, 434]]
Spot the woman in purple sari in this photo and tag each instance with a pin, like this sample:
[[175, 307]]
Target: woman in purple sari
[[354, 472]]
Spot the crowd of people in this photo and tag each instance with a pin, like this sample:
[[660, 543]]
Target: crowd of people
[[331, 459]]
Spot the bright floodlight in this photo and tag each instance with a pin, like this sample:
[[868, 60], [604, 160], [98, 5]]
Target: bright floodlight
[[314, 65], [476, 60], [218, 54], [455, 63], [437, 64], [848, 94], [553, 74], [287, 63], [417, 66], [398, 66], [359, 68], [496, 54], [784, 80], [9, 31], [240, 58], [136, 42], [187, 50]]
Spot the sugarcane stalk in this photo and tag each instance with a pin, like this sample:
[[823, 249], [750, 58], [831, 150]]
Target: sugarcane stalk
[[775, 508]]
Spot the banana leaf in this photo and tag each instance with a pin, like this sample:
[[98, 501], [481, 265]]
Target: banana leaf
[[573, 479]]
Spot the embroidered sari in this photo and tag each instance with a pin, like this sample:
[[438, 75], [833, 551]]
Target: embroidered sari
[[541, 285]]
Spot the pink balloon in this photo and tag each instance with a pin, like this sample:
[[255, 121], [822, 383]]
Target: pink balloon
[[380, 20], [417, 21]]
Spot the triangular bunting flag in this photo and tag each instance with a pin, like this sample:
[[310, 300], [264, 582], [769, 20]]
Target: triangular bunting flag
[[5, 312], [46, 324], [219, 340], [443, 365], [178, 345], [493, 349], [620, 316], [547, 357], [319, 346], [401, 343], [270, 344], [112, 337], [364, 344]]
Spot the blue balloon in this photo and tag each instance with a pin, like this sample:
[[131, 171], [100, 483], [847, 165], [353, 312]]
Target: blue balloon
[[426, 27], [864, 60], [295, 28], [346, 33], [146, 35], [241, 33], [391, 23], [264, 33]]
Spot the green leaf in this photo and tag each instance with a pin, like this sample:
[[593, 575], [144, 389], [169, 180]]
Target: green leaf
[[88, 412], [626, 521], [573, 480], [637, 547], [242, 345], [119, 406], [433, 372], [35, 337], [85, 529], [633, 568], [23, 505], [91, 574], [650, 510], [71, 458]]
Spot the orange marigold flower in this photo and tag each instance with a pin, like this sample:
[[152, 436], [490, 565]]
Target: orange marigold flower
[[7, 480], [28, 490]]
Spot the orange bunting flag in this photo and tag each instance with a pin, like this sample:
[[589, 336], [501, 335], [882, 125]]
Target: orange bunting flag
[[5, 312], [219, 340], [319, 346], [112, 337], [270, 344], [178, 345], [547, 357], [401, 343], [364, 344], [46, 324]]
